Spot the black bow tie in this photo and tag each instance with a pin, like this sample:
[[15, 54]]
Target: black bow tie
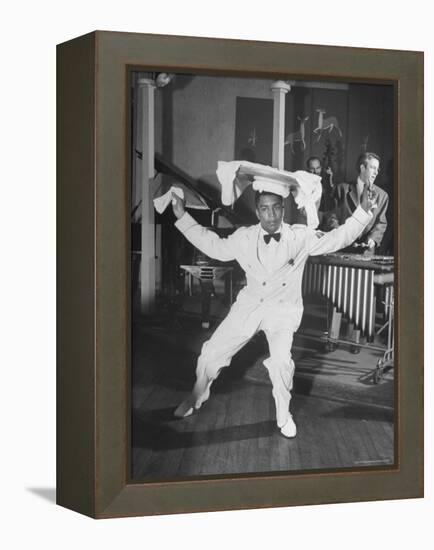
[[268, 237]]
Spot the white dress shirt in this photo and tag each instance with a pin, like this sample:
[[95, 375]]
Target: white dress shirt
[[274, 254]]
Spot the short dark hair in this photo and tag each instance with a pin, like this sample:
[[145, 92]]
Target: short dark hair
[[363, 159], [313, 158], [259, 194]]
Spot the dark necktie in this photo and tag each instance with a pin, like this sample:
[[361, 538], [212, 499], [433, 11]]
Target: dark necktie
[[268, 237]]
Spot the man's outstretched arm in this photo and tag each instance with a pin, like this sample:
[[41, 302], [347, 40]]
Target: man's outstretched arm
[[346, 234], [202, 238]]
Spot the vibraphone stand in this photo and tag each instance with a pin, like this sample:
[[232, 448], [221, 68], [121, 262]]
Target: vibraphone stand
[[387, 361], [332, 336]]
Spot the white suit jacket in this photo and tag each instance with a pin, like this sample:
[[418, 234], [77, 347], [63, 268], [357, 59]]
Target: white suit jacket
[[271, 301]]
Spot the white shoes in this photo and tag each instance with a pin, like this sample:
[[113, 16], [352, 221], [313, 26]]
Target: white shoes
[[187, 407], [289, 429], [192, 403], [184, 409]]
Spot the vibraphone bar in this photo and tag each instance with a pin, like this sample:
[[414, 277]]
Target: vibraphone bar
[[349, 281]]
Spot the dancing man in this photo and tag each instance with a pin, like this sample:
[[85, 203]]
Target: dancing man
[[273, 255]]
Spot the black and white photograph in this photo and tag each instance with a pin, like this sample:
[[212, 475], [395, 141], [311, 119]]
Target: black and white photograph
[[262, 275], [217, 234]]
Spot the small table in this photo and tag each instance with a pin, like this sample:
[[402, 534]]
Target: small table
[[207, 274]]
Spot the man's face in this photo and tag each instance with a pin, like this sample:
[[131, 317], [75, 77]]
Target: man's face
[[369, 172], [270, 212], [314, 167]]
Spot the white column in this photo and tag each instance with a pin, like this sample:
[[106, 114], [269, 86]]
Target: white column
[[279, 89], [147, 264]]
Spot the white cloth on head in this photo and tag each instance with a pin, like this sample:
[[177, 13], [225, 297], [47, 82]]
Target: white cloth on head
[[231, 186], [309, 196], [161, 203], [236, 175], [263, 184]]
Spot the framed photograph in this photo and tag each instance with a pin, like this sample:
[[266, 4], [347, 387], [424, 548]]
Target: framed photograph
[[240, 274]]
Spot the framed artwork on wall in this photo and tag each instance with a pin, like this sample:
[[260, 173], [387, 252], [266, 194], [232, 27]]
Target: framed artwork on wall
[[193, 374]]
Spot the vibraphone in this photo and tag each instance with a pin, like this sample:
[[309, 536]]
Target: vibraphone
[[349, 281]]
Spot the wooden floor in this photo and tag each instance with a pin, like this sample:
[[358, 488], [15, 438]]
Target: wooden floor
[[235, 430]]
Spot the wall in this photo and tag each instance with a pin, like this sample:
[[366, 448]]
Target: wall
[[202, 112], [199, 115], [203, 119]]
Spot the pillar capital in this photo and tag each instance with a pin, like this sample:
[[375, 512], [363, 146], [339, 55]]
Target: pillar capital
[[150, 82], [281, 86]]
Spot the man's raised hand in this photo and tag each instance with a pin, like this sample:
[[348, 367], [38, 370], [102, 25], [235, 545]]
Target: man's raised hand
[[368, 199], [178, 205]]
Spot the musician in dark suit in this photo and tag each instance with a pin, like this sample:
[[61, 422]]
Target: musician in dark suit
[[314, 166], [348, 199]]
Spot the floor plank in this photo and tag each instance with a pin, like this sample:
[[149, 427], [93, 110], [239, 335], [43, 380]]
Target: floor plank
[[343, 421]]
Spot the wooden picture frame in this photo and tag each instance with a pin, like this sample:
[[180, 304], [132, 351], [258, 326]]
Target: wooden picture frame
[[93, 273]]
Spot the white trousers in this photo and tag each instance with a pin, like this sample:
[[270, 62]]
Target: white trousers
[[231, 335]]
